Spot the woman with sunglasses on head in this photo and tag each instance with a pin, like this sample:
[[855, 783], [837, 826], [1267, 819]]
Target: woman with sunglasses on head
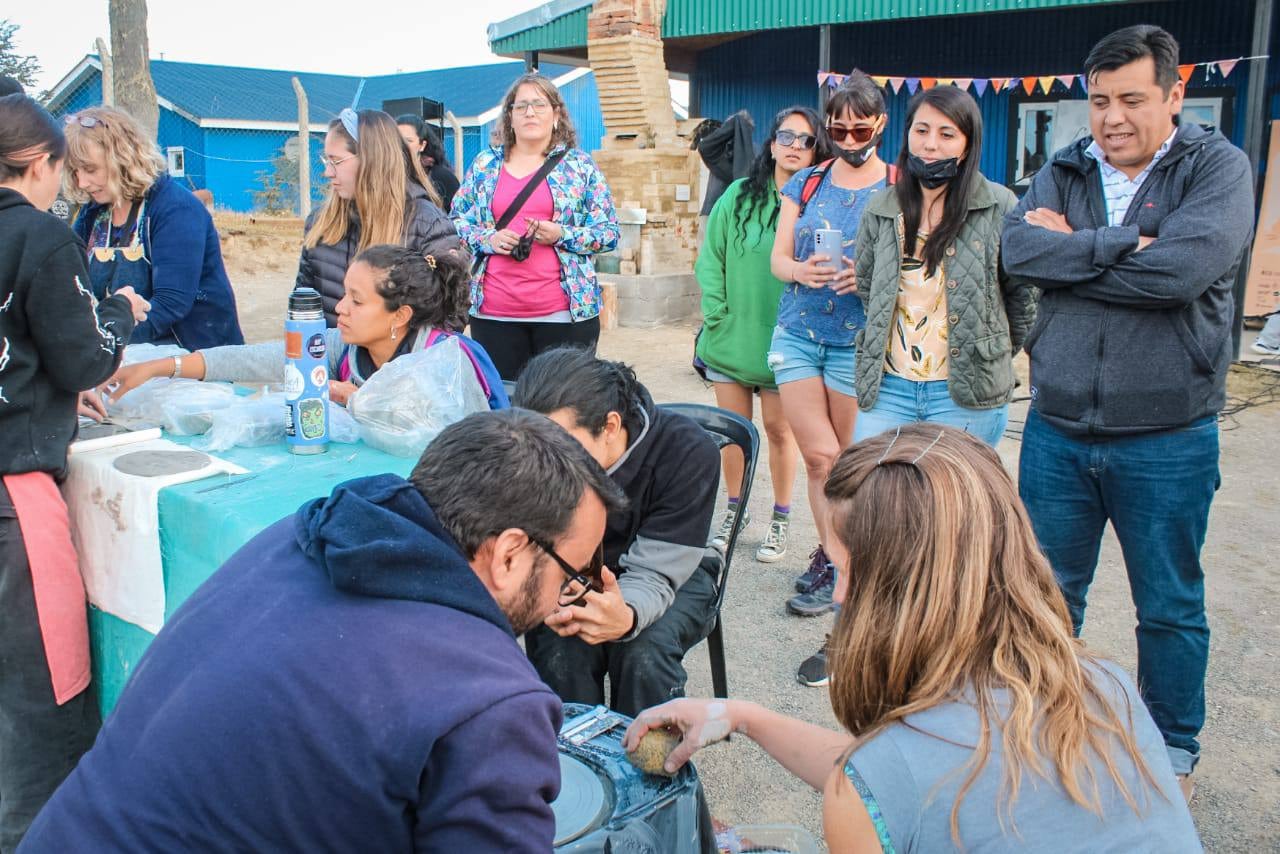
[[423, 141], [378, 194], [971, 717], [394, 302], [144, 230], [740, 309], [535, 211], [943, 319], [54, 342], [654, 600], [812, 351]]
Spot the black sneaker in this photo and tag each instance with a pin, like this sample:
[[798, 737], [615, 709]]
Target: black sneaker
[[809, 578], [813, 670], [817, 601]]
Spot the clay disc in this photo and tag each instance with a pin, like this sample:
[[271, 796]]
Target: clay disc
[[160, 463]]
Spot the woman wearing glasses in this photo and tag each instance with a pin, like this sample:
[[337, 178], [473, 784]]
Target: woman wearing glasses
[[535, 210], [378, 194], [654, 600], [54, 342], [146, 231], [740, 309], [812, 351]]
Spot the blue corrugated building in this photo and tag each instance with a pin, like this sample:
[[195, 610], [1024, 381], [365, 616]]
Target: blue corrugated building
[[222, 126]]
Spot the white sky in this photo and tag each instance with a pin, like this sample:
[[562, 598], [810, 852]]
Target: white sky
[[352, 37]]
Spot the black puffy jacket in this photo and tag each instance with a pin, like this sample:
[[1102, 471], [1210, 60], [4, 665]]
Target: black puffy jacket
[[323, 267]]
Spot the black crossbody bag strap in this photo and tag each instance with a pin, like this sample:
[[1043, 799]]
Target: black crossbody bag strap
[[523, 196]]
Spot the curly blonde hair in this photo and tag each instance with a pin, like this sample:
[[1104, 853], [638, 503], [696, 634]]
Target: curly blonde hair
[[562, 131], [132, 157]]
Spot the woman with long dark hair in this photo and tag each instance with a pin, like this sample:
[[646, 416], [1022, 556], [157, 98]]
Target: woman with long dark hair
[[971, 718], [535, 211], [943, 319], [423, 142], [55, 341], [740, 309]]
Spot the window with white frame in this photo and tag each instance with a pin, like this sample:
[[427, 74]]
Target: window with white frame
[[177, 157]]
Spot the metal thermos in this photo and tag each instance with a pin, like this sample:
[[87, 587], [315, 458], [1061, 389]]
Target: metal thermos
[[306, 374]]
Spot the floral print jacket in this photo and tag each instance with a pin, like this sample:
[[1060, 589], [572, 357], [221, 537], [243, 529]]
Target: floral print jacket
[[583, 209]]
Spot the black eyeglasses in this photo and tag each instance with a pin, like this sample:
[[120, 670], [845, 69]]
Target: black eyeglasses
[[790, 138], [860, 133], [580, 582]]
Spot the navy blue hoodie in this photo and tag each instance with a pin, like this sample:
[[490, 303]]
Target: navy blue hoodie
[[343, 683]]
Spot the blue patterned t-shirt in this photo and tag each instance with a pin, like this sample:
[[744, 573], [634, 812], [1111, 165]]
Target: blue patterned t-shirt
[[819, 314]]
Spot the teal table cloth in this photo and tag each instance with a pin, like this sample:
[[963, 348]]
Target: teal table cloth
[[204, 522]]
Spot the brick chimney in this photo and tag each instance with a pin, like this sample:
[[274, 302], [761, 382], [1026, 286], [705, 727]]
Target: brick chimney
[[624, 46]]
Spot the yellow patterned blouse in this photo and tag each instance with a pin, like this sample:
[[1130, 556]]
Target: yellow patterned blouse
[[918, 341]]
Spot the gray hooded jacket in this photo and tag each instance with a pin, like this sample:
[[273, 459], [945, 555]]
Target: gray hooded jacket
[[1132, 341]]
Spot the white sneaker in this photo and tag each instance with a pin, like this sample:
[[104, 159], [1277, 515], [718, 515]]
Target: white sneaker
[[1263, 349], [721, 538], [774, 547]]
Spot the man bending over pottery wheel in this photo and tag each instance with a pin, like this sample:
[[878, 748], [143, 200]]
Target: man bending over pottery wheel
[[654, 601], [350, 679]]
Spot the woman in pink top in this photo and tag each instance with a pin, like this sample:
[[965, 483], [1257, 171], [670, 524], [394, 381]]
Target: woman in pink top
[[534, 210]]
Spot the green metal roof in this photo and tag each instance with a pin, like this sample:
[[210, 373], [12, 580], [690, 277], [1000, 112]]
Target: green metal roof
[[562, 24]]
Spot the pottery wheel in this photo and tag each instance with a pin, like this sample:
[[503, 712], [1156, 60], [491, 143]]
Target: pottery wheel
[[582, 800], [160, 463]]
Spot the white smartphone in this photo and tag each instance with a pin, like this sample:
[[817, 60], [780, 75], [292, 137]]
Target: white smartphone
[[829, 242]]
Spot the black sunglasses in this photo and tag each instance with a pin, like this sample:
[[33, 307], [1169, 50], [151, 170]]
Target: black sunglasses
[[861, 133], [790, 137], [588, 579]]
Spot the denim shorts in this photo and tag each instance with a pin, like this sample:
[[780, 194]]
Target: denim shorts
[[902, 401], [792, 357]]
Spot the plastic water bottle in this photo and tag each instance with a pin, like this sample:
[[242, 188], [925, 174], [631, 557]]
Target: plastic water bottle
[[306, 374]]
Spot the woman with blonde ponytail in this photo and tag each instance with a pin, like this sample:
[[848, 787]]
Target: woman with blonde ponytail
[[378, 194], [973, 718]]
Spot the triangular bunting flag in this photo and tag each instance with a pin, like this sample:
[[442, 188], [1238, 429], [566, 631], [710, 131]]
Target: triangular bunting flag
[[1184, 71], [1066, 80], [1029, 84], [896, 83], [1046, 83], [946, 81], [998, 83], [1084, 84], [1226, 66], [835, 80], [913, 83], [823, 76], [881, 81], [963, 82], [928, 82], [980, 85]]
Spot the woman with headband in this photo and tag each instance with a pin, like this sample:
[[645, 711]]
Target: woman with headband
[[378, 194]]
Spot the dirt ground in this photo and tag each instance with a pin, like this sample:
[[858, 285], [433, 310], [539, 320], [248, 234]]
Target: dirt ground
[[1237, 805]]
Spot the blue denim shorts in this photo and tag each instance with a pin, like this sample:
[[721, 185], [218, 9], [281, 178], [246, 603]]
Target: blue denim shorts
[[902, 401], [792, 357]]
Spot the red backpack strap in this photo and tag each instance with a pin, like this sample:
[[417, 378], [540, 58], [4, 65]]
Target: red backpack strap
[[812, 182], [892, 174]]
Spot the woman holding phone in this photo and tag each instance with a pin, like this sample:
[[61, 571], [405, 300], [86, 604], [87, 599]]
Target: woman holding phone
[[812, 352]]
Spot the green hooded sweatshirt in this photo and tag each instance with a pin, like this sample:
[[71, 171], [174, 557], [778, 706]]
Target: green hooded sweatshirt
[[739, 294]]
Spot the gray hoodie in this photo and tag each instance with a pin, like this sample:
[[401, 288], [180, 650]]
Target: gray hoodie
[[1132, 341]]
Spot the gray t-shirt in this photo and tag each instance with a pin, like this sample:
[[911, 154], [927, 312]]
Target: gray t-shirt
[[908, 777]]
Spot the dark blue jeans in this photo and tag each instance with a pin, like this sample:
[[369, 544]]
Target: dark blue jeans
[[1156, 490]]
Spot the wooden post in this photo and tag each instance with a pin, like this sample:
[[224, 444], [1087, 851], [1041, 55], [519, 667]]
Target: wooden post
[[108, 76], [135, 91], [459, 168], [530, 60], [1255, 122], [304, 151]]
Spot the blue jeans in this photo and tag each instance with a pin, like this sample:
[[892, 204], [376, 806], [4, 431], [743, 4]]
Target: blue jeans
[[1155, 489], [903, 401]]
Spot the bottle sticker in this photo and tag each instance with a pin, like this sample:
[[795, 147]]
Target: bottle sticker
[[315, 346], [292, 345], [294, 383], [319, 376], [311, 414]]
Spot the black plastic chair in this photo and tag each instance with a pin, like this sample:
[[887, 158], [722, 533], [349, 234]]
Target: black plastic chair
[[725, 428]]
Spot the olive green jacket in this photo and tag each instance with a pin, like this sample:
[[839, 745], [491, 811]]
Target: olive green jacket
[[988, 314]]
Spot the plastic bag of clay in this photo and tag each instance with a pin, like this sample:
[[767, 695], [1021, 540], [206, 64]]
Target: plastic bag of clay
[[342, 427], [403, 406], [183, 407], [249, 422], [143, 352]]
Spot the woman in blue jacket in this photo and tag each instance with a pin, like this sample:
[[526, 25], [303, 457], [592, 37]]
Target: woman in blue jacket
[[145, 230]]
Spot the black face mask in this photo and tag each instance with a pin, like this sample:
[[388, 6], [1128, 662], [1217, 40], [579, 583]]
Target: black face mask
[[933, 175], [859, 156]]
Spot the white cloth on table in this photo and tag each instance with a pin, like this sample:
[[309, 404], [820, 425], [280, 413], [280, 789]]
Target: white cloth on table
[[115, 524]]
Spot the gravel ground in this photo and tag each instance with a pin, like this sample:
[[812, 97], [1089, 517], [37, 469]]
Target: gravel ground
[[1237, 805]]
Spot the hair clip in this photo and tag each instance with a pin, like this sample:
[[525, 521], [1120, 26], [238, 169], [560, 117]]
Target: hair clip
[[896, 433], [350, 122], [431, 260], [928, 449]]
